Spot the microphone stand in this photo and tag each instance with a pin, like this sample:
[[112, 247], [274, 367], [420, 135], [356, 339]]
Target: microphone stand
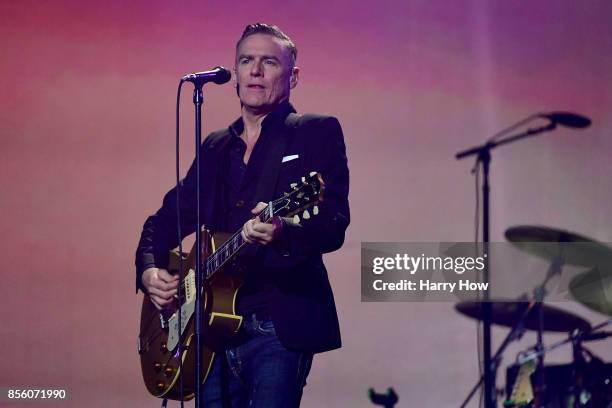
[[483, 155], [198, 99], [218, 75]]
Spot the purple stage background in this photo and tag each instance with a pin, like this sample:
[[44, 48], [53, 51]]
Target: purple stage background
[[87, 150]]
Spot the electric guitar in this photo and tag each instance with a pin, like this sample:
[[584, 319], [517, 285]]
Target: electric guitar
[[162, 344], [522, 391]]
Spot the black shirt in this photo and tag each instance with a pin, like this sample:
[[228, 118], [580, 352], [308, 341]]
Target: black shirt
[[240, 181]]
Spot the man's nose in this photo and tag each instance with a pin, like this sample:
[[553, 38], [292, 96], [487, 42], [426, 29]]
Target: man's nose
[[256, 69]]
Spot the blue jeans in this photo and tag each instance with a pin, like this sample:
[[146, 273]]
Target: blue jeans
[[258, 373]]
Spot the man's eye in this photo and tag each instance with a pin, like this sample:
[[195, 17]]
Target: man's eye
[[270, 62], [244, 60]]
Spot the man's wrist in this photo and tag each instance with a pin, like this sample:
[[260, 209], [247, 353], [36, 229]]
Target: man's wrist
[[279, 226]]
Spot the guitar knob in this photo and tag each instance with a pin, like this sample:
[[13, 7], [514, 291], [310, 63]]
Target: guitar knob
[[169, 370], [161, 386], [315, 210], [157, 366], [296, 219], [164, 347], [306, 215]]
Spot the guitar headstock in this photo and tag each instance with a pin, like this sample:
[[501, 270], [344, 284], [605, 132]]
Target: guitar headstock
[[302, 196]]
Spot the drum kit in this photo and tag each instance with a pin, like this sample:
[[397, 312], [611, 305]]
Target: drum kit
[[587, 380]]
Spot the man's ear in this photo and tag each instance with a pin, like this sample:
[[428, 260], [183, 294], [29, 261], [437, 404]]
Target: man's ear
[[294, 78]]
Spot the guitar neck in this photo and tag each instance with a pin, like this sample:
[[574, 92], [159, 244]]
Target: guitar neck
[[301, 196], [230, 248]]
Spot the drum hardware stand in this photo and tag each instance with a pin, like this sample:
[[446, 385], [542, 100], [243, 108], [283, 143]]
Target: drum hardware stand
[[539, 294], [578, 370], [588, 335], [516, 333]]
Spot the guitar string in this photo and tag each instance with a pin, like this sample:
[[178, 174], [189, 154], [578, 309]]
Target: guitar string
[[152, 320]]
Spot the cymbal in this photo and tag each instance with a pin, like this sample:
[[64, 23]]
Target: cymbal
[[551, 243], [594, 290], [508, 314]]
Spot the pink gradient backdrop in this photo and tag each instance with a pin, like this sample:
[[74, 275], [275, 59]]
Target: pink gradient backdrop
[[88, 91]]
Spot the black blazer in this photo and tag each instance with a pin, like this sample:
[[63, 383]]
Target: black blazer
[[302, 304]]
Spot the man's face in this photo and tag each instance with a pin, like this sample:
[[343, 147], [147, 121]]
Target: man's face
[[264, 72]]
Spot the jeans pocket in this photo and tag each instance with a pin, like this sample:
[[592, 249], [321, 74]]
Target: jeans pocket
[[265, 327]]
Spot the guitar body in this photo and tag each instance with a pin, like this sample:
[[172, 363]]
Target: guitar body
[[522, 395], [159, 341]]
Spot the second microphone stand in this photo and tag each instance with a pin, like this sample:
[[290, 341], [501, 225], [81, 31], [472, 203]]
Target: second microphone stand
[[483, 156]]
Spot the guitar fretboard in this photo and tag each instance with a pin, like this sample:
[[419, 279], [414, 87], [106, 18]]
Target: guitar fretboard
[[306, 196], [232, 246]]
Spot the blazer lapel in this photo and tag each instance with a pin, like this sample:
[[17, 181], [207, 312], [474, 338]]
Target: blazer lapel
[[213, 160], [270, 168]]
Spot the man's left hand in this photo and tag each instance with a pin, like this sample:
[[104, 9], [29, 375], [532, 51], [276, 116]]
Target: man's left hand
[[256, 232]]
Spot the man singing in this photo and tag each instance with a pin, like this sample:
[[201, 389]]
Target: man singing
[[286, 301]]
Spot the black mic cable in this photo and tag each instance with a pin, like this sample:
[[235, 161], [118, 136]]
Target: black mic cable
[[180, 241], [218, 75]]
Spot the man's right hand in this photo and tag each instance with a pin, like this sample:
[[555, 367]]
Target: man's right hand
[[160, 285]]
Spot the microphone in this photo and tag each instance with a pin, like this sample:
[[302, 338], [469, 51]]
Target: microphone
[[568, 119], [218, 75]]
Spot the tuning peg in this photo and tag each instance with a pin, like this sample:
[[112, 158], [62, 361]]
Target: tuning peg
[[313, 173], [296, 219], [303, 179], [306, 215], [285, 194], [315, 210], [293, 185]]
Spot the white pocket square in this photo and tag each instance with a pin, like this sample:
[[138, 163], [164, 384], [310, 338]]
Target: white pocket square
[[289, 158]]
